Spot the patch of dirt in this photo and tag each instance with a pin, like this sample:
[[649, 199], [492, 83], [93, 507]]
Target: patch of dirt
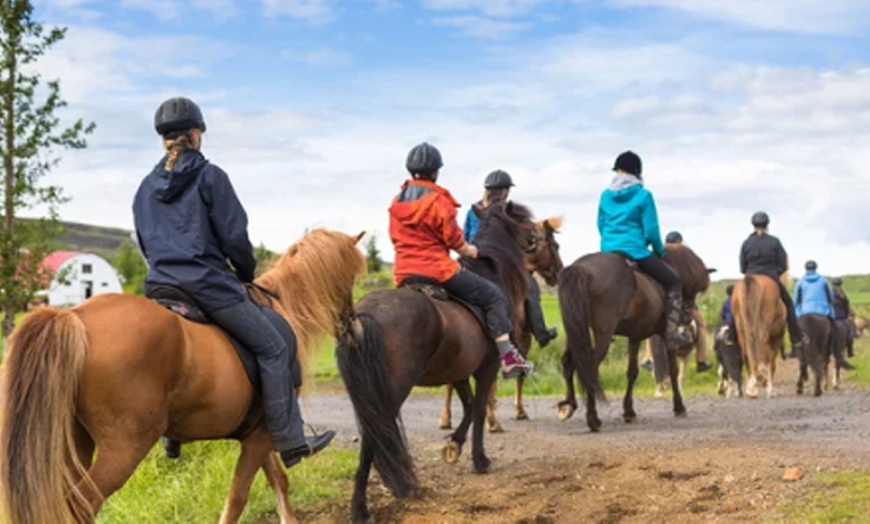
[[722, 463]]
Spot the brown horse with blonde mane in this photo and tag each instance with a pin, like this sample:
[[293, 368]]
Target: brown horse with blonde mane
[[403, 338], [543, 258], [602, 292], [760, 320], [87, 391]]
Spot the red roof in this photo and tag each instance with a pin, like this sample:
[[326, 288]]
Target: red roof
[[53, 261]]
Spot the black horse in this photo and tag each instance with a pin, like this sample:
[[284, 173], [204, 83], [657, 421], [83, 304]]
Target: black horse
[[403, 338]]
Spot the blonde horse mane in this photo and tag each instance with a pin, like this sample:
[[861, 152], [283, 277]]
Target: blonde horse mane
[[313, 281]]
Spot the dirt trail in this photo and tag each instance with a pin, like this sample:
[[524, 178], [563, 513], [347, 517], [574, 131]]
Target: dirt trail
[[722, 463]]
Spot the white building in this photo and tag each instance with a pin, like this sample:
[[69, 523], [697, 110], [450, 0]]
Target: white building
[[77, 277]]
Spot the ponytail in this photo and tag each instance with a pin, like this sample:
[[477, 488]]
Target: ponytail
[[174, 147]]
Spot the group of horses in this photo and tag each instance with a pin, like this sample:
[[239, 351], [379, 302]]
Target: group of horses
[[88, 391]]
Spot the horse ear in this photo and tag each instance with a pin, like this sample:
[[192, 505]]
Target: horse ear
[[552, 225], [359, 237], [509, 207], [711, 270]]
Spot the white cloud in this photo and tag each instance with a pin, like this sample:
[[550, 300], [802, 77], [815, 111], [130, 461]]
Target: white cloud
[[312, 11], [805, 16], [323, 57], [480, 27]]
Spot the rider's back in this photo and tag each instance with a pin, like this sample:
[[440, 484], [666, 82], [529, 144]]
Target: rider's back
[[763, 255]]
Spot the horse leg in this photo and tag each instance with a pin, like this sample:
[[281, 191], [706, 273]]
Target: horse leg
[[676, 386], [485, 379], [602, 344], [492, 423], [518, 400], [256, 447], [445, 422], [115, 461], [277, 478], [453, 448], [568, 406], [722, 386], [358, 508], [628, 413]]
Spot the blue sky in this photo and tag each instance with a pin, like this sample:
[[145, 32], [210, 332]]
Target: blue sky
[[312, 105]]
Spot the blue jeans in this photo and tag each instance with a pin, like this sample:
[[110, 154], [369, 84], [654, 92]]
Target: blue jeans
[[247, 324]]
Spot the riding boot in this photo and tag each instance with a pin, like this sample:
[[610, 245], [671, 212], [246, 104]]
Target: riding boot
[[799, 339], [839, 350], [171, 447], [535, 315], [675, 333]]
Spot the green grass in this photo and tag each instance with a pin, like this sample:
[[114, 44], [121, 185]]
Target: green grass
[[833, 497], [193, 488]]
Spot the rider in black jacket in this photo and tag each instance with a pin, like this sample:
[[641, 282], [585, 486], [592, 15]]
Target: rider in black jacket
[[763, 254]]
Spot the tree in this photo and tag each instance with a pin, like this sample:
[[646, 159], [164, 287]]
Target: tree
[[264, 257], [373, 255], [31, 132], [130, 265]]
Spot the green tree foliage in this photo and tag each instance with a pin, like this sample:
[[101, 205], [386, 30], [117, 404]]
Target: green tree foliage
[[264, 258], [373, 255], [31, 132], [130, 265]]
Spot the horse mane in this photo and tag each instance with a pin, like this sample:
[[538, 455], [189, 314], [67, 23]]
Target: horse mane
[[690, 267], [313, 282], [499, 240]]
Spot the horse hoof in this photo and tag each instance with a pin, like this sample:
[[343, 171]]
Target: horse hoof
[[629, 418], [681, 413], [445, 425], [451, 452], [594, 425], [495, 427], [566, 411], [522, 415], [482, 467]]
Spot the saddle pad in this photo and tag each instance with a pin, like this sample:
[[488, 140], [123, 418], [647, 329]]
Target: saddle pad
[[434, 290]]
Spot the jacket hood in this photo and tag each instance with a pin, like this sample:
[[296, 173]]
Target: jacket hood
[[623, 188], [812, 276], [415, 199], [167, 185]]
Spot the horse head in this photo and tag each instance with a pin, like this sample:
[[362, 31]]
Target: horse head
[[544, 256], [690, 267]]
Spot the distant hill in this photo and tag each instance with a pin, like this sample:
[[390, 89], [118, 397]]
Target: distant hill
[[101, 240]]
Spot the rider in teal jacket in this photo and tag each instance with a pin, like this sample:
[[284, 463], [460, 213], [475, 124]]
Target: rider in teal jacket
[[629, 225]]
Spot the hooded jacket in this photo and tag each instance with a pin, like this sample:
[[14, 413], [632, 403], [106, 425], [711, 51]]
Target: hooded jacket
[[627, 219], [423, 229], [813, 295], [472, 221], [193, 232]]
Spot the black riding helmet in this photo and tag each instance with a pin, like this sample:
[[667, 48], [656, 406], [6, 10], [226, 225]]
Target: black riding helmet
[[811, 265], [498, 179], [760, 219], [673, 237], [178, 115], [628, 162], [423, 159], [837, 281]]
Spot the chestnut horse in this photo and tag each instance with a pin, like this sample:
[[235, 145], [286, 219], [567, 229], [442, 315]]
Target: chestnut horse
[[543, 258], [402, 338], [602, 292], [760, 319], [87, 391]]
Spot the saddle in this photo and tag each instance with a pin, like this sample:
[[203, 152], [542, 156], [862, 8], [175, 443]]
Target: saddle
[[435, 291], [181, 303]]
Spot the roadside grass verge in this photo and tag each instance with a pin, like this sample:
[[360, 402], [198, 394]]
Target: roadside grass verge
[[842, 497]]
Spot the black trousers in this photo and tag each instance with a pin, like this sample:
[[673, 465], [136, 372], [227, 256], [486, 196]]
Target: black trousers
[[663, 273], [484, 294], [794, 331]]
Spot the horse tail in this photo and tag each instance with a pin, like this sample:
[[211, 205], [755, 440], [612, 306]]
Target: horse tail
[[750, 314], [576, 319], [39, 465], [362, 368]]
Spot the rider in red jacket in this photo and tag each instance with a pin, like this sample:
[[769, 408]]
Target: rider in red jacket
[[423, 229]]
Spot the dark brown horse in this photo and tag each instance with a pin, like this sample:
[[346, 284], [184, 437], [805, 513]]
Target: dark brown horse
[[817, 353], [87, 391], [760, 319], [603, 293], [542, 258], [404, 339]]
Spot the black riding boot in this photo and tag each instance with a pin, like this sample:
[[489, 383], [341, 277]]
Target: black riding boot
[[675, 334], [535, 315], [171, 447], [839, 350], [799, 339]]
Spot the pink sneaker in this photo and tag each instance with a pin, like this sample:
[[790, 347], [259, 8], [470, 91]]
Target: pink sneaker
[[514, 365]]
